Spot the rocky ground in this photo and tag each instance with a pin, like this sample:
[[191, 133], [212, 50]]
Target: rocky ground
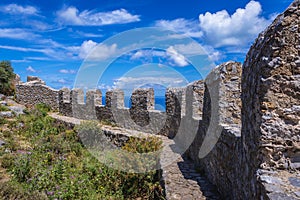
[[13, 108], [8, 110]]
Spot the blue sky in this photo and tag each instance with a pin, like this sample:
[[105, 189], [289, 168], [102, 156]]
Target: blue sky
[[51, 39]]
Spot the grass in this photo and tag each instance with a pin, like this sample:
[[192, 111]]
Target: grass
[[48, 161], [3, 108], [108, 122]]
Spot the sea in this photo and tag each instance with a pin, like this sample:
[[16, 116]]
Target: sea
[[159, 102]]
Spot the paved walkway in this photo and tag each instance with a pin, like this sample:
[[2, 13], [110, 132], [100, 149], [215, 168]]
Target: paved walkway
[[179, 177]]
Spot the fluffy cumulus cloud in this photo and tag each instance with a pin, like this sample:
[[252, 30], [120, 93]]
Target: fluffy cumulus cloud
[[240, 28], [30, 69], [187, 27], [19, 9], [220, 29], [72, 16], [177, 58], [86, 48], [96, 52]]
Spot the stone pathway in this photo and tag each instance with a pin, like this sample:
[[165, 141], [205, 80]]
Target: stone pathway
[[179, 177], [182, 181]]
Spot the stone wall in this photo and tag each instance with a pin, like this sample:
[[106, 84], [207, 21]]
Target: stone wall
[[34, 91], [217, 145], [271, 102], [65, 102], [137, 117], [142, 101], [259, 158]]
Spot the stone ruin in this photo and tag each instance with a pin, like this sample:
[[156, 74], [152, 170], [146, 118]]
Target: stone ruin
[[36, 91], [250, 112]]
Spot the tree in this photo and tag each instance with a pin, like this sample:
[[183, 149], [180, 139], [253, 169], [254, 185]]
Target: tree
[[7, 77]]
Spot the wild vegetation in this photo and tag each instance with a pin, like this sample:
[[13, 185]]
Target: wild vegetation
[[42, 159], [7, 77]]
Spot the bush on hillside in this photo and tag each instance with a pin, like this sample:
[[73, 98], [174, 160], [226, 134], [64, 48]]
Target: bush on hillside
[[7, 77]]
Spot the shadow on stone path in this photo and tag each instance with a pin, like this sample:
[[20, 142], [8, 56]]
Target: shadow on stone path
[[182, 181]]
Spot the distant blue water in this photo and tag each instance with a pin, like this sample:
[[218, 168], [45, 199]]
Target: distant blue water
[[159, 102]]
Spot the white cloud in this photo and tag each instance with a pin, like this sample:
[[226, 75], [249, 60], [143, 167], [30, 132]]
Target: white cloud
[[59, 51], [171, 55], [137, 55], [94, 51], [90, 35], [30, 69], [240, 28], [24, 49], [19, 9], [86, 47], [176, 57], [212, 53], [62, 81], [215, 56], [19, 61], [103, 86], [17, 33], [147, 55], [137, 82], [187, 27], [53, 53], [190, 49], [38, 58], [72, 16], [38, 25], [66, 71]]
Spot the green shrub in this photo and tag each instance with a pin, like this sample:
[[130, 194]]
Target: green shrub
[[13, 191], [3, 108], [2, 121], [143, 145], [7, 77], [7, 160], [108, 123], [21, 168], [91, 135]]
